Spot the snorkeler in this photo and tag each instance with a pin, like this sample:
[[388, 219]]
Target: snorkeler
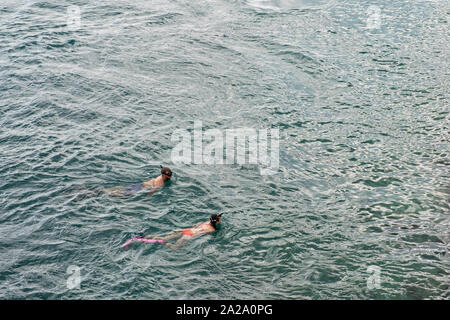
[[153, 184], [120, 191], [182, 235]]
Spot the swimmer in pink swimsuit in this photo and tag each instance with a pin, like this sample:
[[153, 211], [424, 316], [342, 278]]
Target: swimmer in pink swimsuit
[[186, 234]]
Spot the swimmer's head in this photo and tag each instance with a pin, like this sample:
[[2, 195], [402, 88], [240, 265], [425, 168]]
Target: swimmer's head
[[215, 220], [166, 173]]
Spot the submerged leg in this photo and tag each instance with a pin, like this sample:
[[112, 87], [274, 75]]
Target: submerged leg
[[83, 193], [178, 244], [167, 237], [117, 191]]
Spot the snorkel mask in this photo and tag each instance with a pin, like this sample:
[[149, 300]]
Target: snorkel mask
[[166, 171], [214, 219]]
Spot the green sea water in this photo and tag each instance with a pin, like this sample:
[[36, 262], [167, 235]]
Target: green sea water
[[91, 93]]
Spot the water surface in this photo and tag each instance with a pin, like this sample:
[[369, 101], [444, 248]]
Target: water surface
[[363, 180]]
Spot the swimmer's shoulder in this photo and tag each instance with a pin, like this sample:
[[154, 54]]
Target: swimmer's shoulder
[[206, 227], [149, 183]]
